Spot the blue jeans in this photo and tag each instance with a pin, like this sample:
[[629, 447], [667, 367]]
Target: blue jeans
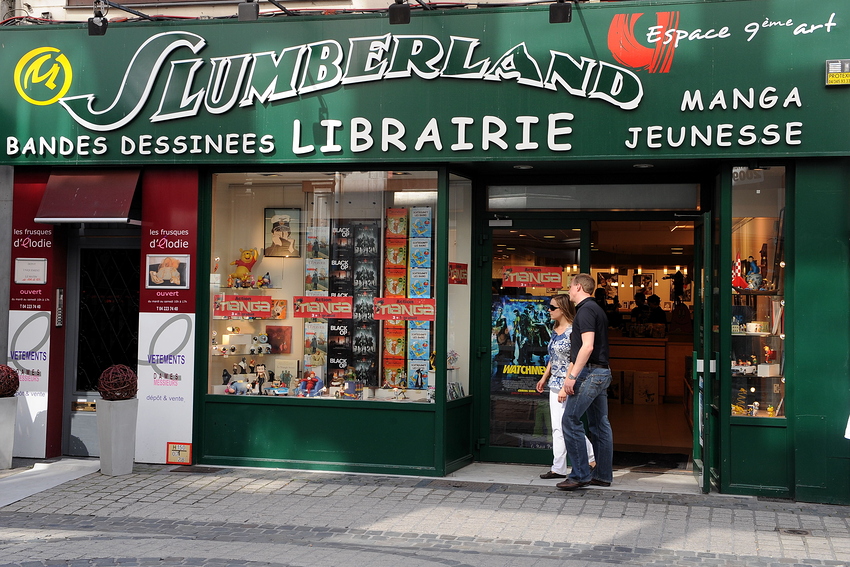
[[591, 397]]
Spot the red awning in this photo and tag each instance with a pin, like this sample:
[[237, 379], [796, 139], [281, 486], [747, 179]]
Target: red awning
[[89, 197]]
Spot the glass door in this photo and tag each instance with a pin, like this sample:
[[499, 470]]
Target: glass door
[[703, 366], [528, 264]]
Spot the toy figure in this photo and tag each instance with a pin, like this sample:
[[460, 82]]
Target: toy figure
[[307, 383], [246, 261], [239, 388], [243, 366], [265, 281], [225, 377], [769, 354]]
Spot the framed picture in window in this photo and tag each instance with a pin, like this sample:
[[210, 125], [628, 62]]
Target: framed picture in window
[[282, 230]]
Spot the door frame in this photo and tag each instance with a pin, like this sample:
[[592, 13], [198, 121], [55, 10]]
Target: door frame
[[482, 303], [86, 237]]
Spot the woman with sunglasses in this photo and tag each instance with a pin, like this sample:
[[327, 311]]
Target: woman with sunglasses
[[561, 311]]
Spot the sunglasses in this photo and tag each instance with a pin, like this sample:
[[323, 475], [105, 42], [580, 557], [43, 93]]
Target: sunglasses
[[553, 307]]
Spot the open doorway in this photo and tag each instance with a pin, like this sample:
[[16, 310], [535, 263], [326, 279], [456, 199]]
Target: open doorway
[[644, 275], [102, 324]]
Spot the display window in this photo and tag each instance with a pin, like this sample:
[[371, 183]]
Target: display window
[[323, 285], [758, 299]]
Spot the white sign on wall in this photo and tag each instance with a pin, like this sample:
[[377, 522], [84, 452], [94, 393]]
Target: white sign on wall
[[166, 372], [29, 354]]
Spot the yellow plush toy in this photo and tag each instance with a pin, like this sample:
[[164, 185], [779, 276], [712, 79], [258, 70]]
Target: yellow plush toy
[[246, 261]]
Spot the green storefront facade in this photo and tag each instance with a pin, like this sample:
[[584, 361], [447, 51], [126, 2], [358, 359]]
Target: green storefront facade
[[483, 120]]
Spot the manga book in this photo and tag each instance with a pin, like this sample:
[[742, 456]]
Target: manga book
[[417, 374], [420, 253], [366, 369], [418, 344], [420, 222], [396, 223], [395, 372], [366, 274], [364, 306], [342, 276], [395, 253], [316, 279], [395, 282], [339, 338], [342, 240], [364, 340], [318, 242], [395, 341], [316, 337], [420, 282], [365, 238]]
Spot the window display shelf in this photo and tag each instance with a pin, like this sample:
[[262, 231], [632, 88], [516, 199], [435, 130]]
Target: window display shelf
[[757, 329]]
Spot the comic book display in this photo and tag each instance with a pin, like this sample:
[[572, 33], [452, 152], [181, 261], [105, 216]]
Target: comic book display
[[296, 312]]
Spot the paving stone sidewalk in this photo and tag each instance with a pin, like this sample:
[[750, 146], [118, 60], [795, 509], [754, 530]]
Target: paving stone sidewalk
[[245, 517]]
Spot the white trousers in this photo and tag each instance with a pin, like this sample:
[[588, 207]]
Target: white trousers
[[559, 447]]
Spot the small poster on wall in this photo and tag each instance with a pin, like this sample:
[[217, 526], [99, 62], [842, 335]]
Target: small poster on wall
[[282, 230], [168, 271]]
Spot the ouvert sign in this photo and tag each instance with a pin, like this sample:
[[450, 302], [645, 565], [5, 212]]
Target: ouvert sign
[[621, 81]]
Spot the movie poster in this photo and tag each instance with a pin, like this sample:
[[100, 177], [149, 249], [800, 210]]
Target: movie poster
[[519, 343]]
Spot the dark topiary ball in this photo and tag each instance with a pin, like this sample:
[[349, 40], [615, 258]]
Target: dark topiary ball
[[118, 382], [9, 381]]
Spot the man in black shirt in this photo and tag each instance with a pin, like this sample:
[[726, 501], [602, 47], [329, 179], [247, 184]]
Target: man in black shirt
[[588, 378]]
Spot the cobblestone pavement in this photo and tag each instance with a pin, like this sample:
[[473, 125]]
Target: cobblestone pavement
[[245, 517]]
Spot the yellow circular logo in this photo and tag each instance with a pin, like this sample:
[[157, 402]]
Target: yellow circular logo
[[43, 76]]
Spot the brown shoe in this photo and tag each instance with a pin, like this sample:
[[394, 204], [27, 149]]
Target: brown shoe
[[597, 482], [552, 474], [570, 484]]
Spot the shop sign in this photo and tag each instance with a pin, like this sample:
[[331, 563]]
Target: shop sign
[[248, 306], [458, 273], [532, 276], [29, 354], [166, 370], [330, 307], [662, 82], [405, 309]]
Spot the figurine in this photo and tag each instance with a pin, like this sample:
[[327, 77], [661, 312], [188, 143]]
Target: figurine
[[243, 366], [307, 384], [246, 261], [239, 388], [225, 377], [264, 281]]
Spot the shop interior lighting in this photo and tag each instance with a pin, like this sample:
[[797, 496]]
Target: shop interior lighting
[[560, 12]]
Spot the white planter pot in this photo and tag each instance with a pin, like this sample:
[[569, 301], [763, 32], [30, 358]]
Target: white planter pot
[[8, 413], [116, 430]]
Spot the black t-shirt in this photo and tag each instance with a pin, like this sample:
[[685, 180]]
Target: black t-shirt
[[590, 318]]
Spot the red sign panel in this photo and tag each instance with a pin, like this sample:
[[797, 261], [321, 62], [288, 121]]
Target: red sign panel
[[405, 309], [532, 276], [169, 241], [33, 277], [310, 306], [257, 306], [458, 273]]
